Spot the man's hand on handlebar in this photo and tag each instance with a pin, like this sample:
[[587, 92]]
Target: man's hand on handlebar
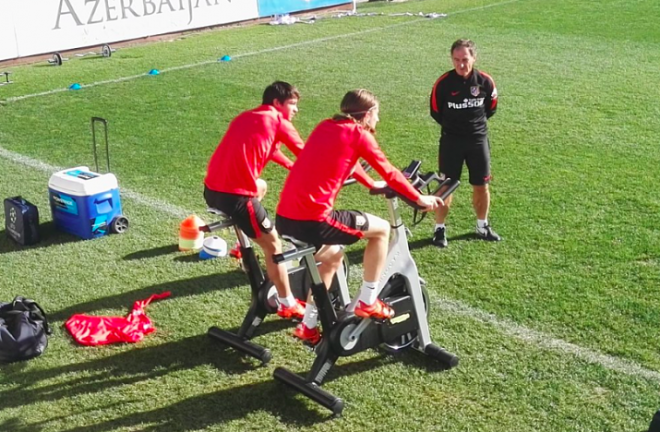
[[430, 202]]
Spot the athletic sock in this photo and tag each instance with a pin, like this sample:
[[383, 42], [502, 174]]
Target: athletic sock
[[482, 223], [311, 318], [288, 301], [439, 225], [369, 292]]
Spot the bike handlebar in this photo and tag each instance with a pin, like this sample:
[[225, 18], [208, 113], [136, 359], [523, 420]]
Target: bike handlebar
[[419, 182]]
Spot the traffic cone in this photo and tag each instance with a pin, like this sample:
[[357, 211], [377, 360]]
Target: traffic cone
[[190, 237]]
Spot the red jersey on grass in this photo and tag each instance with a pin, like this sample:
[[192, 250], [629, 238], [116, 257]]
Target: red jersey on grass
[[328, 159], [253, 138]]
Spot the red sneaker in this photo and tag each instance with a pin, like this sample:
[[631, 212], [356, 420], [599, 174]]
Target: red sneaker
[[296, 311], [378, 311], [307, 335]]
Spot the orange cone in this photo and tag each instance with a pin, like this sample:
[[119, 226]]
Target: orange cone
[[190, 237]]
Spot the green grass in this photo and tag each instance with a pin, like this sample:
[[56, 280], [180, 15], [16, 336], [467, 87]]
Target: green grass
[[575, 167]]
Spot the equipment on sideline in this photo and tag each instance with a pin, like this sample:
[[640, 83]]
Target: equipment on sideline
[[264, 295], [57, 59], [344, 334], [85, 203], [106, 52], [7, 80], [190, 236], [23, 330], [213, 247], [21, 221]]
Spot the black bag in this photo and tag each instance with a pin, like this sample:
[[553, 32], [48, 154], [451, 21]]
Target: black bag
[[23, 330], [655, 423], [21, 221]]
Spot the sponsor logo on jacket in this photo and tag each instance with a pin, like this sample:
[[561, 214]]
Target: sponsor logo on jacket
[[467, 103]]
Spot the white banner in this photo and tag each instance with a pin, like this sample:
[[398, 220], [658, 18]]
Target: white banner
[[44, 26], [8, 45]]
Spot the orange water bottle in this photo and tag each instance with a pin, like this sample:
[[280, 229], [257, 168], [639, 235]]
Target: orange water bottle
[[190, 237]]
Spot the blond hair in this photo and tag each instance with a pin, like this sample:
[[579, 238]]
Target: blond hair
[[355, 105]]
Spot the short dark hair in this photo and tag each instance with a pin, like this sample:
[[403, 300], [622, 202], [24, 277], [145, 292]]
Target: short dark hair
[[280, 91], [464, 43]]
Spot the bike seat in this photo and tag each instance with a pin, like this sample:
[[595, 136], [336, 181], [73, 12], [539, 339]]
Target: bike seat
[[299, 244], [218, 212], [225, 223]]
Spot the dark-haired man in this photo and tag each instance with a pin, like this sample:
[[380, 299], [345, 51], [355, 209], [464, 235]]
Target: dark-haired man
[[232, 182]]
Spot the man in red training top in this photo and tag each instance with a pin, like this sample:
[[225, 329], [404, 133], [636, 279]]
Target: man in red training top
[[232, 182], [305, 210]]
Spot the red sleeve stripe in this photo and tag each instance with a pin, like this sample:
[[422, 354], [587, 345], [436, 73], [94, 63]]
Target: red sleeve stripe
[[253, 219], [434, 101], [493, 103], [489, 77]]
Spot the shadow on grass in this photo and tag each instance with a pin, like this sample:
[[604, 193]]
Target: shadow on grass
[[425, 242], [48, 234], [269, 326], [201, 412], [125, 368], [195, 413], [152, 253], [212, 409], [15, 424], [188, 287]]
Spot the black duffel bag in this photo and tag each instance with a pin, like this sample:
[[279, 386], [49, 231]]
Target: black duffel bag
[[23, 330]]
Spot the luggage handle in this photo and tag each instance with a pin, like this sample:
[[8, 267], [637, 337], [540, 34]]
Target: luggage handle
[[103, 121]]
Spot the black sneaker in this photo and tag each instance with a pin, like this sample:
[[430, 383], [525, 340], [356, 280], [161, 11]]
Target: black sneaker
[[440, 237], [487, 233]]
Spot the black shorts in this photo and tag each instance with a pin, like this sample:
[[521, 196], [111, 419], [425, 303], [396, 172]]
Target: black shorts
[[342, 227], [474, 151], [247, 212]]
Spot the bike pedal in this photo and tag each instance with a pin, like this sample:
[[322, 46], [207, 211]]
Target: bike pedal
[[376, 320]]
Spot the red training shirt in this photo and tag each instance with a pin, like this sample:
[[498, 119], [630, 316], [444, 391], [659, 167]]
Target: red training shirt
[[328, 159], [253, 138]]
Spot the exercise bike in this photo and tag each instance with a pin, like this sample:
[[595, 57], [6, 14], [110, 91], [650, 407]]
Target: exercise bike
[[345, 334], [263, 293]]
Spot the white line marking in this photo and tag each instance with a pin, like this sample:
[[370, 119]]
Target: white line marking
[[156, 204], [207, 62], [253, 53], [548, 342]]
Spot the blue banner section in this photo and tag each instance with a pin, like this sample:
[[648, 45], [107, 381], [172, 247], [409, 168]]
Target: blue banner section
[[278, 7]]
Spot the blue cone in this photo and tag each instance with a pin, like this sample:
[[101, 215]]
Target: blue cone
[[75, 86], [154, 72], [225, 58], [213, 247]]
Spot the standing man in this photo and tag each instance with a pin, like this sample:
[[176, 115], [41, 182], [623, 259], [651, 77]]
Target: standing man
[[462, 101], [233, 184]]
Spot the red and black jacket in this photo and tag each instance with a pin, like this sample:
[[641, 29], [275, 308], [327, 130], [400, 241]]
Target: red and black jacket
[[462, 106]]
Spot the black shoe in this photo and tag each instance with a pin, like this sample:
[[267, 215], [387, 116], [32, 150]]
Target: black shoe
[[487, 233], [440, 237]]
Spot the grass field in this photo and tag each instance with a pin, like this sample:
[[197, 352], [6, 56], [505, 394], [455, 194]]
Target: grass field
[[556, 326]]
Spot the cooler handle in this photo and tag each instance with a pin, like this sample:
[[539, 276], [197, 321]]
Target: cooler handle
[[104, 122]]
